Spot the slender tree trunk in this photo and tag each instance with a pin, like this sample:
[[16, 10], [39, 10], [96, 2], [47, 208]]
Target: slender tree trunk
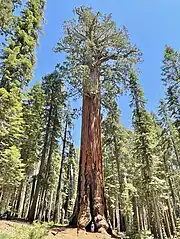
[[144, 218], [114, 218], [157, 218], [56, 217], [14, 201], [66, 204], [22, 198], [120, 176], [71, 190], [62, 216], [50, 205], [173, 225], [1, 195], [118, 165], [136, 221], [42, 204], [174, 199], [26, 200], [141, 219], [90, 203], [150, 212], [32, 191], [49, 163], [117, 215], [168, 229], [7, 201], [32, 211]]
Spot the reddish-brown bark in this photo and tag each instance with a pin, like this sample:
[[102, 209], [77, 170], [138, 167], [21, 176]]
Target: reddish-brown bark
[[90, 203]]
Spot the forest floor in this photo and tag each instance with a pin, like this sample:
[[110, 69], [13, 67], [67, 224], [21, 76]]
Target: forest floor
[[8, 227]]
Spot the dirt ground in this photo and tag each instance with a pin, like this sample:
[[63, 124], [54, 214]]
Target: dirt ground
[[69, 233], [58, 233], [9, 226]]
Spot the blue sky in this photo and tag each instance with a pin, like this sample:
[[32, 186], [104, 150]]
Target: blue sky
[[151, 24]]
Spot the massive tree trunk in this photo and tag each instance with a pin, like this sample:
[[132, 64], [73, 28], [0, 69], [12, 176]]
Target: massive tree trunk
[[90, 202]]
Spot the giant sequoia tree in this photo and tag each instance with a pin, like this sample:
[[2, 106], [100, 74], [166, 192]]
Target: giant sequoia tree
[[99, 56]]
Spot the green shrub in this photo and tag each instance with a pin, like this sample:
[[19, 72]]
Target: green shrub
[[4, 236], [142, 235]]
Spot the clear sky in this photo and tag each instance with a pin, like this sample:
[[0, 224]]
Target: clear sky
[[151, 24]]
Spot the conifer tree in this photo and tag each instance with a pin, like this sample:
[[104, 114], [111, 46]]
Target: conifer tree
[[69, 115], [11, 135], [7, 17], [17, 62], [33, 115], [91, 43], [169, 141], [55, 97], [70, 181], [171, 78], [18, 57], [118, 164], [152, 184], [169, 130]]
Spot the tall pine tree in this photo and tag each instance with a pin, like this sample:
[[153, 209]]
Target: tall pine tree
[[18, 58]]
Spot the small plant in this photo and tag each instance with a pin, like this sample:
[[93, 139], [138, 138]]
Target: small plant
[[142, 235], [4, 236]]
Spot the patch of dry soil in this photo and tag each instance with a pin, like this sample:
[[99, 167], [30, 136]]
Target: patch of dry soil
[[59, 233], [71, 233], [9, 226]]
